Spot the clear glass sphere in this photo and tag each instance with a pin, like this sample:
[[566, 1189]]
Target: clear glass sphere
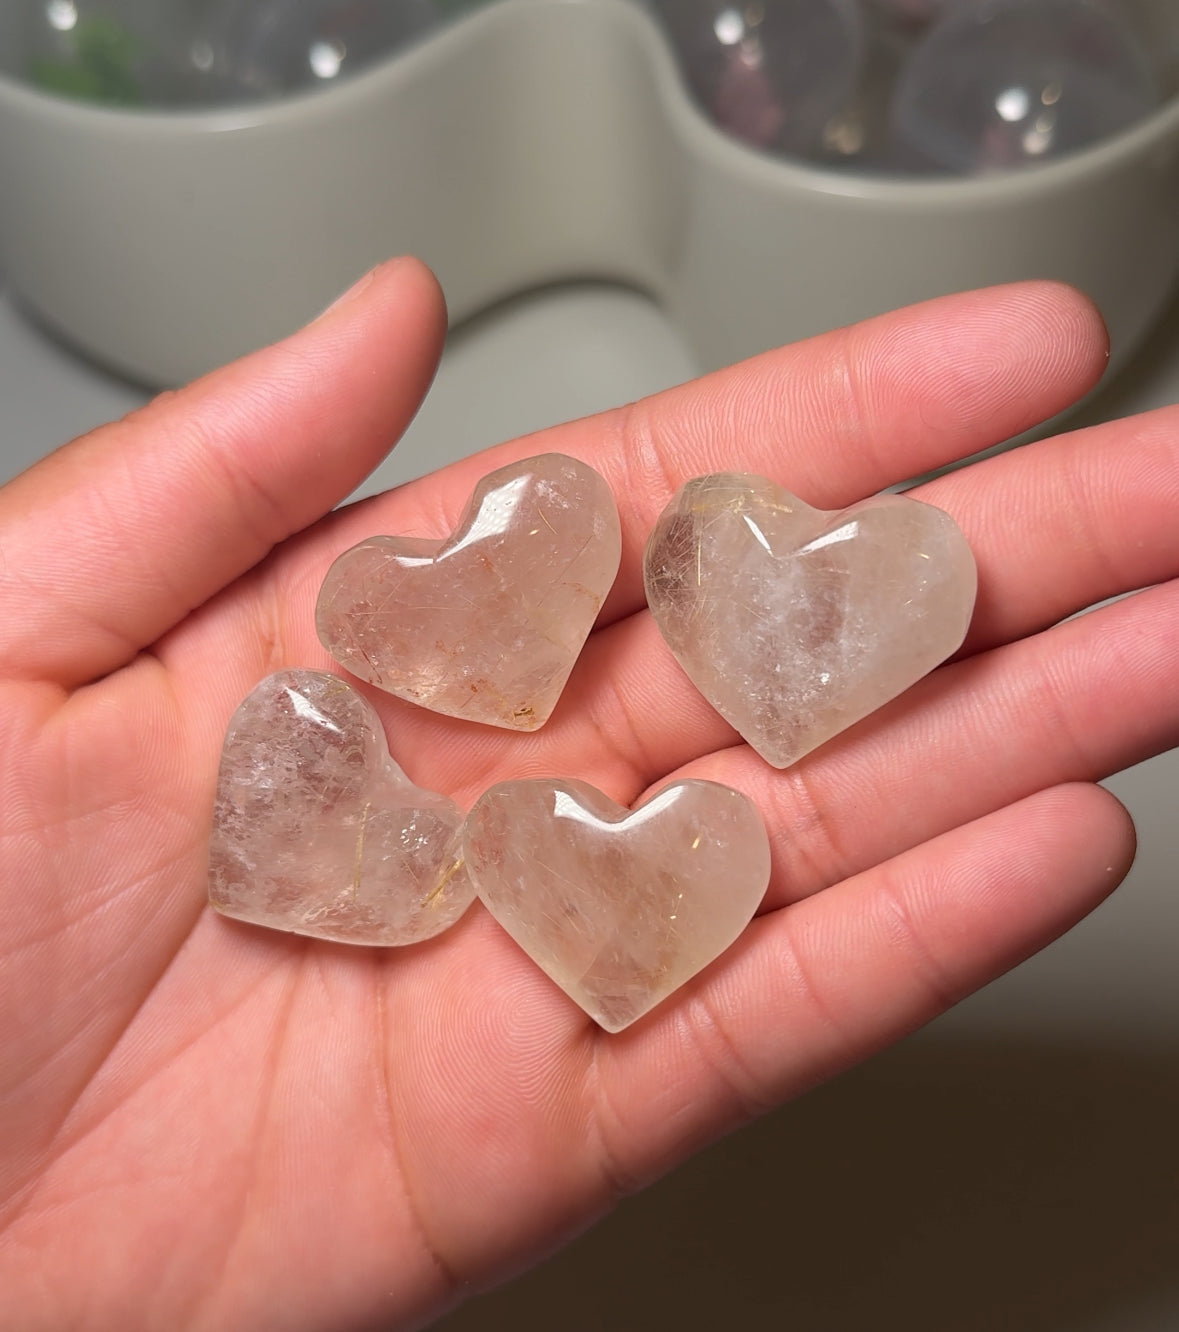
[[1006, 83], [270, 47], [117, 52], [771, 73], [203, 52]]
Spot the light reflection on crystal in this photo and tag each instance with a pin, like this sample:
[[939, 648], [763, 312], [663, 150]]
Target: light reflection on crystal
[[202, 56], [1001, 83], [273, 46], [796, 623], [62, 14], [326, 59], [729, 27], [1012, 104], [618, 908], [770, 74], [487, 624], [318, 831]]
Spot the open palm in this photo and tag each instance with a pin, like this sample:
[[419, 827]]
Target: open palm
[[207, 1125]]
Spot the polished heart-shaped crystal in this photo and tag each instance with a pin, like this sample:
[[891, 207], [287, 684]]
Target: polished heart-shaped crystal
[[316, 830], [794, 622], [485, 625], [619, 908]]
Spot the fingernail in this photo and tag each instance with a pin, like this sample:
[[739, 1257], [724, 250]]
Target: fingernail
[[350, 295]]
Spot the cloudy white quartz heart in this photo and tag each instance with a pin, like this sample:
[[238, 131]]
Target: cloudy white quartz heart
[[487, 624], [794, 622]]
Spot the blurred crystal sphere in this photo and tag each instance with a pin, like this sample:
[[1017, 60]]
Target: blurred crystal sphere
[[269, 47], [119, 52], [771, 73], [202, 52], [1005, 83]]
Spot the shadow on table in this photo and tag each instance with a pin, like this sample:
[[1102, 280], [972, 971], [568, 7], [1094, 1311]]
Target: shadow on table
[[943, 1187]]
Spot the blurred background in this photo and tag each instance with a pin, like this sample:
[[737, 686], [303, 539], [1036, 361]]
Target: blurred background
[[1014, 1166]]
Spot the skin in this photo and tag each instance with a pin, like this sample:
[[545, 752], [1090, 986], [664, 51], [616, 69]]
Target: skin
[[207, 1125]]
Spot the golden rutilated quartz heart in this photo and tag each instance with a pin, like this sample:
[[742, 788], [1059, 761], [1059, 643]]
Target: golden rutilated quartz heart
[[619, 908], [794, 622], [485, 625], [316, 830]]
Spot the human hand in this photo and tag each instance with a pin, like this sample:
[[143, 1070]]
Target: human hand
[[208, 1125]]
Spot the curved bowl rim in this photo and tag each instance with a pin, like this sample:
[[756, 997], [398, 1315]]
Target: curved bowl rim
[[764, 169]]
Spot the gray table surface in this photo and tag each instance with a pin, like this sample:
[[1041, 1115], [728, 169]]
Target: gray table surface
[[1014, 1166]]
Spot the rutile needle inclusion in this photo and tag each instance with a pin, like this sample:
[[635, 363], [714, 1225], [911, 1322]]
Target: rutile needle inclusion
[[316, 830], [618, 908], [487, 624], [795, 622]]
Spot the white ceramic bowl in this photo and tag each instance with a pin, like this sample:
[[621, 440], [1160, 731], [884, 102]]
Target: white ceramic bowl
[[533, 141]]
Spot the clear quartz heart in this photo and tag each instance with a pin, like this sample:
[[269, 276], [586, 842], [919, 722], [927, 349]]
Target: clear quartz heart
[[619, 908], [487, 624], [794, 622], [316, 830]]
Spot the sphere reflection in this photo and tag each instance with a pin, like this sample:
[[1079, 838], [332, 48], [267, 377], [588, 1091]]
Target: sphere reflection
[[205, 52], [771, 73], [1005, 83], [278, 46]]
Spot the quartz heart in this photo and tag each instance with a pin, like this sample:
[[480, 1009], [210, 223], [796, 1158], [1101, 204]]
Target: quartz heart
[[618, 908], [487, 624], [794, 622], [317, 831]]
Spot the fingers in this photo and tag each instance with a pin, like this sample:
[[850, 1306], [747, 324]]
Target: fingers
[[1054, 527], [1067, 522], [1074, 704], [814, 988], [113, 539], [834, 418]]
